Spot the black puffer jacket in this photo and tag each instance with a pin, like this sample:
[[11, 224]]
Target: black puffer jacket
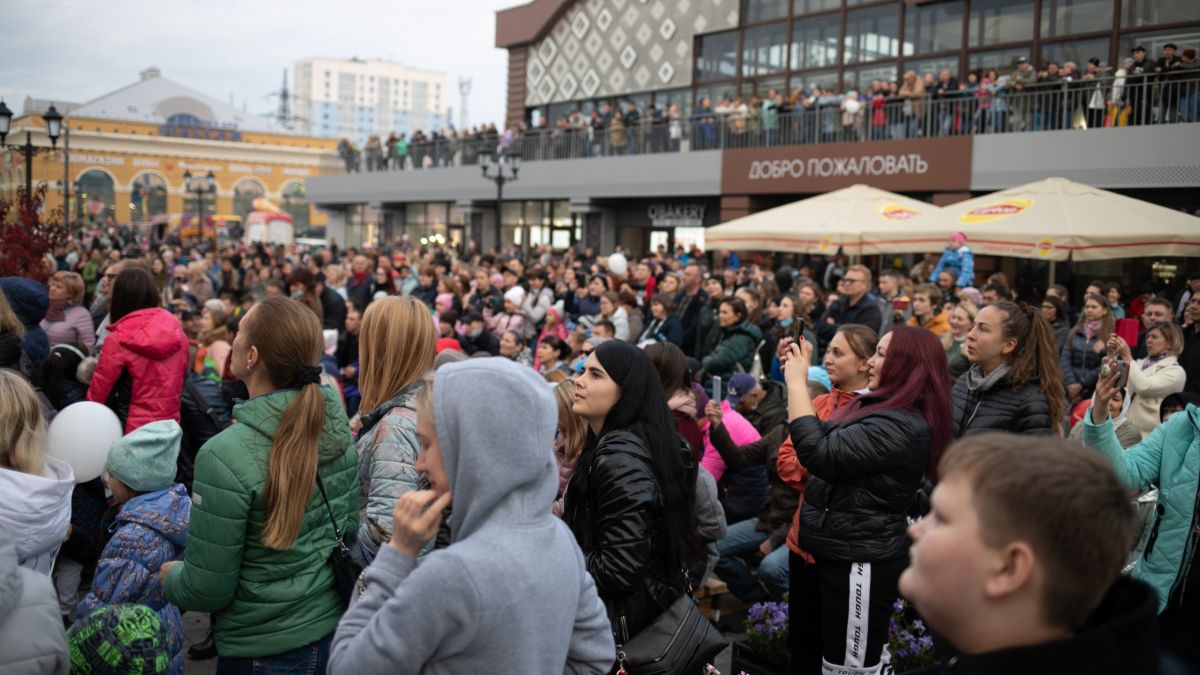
[[614, 507], [1000, 407], [865, 478]]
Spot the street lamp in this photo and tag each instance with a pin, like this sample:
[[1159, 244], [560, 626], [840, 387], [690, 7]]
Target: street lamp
[[200, 188], [53, 121], [501, 168]]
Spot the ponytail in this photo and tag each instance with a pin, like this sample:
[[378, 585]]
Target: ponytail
[[288, 346], [1036, 355]]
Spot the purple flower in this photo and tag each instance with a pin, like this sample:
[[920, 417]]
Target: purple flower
[[919, 625]]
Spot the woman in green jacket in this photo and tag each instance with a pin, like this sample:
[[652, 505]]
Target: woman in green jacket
[[1168, 457], [739, 340], [260, 533]]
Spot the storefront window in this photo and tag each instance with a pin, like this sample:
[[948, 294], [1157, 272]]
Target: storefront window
[[1138, 13], [147, 197], [825, 79], [861, 78], [97, 195], [1079, 52], [932, 28], [244, 193], [295, 203], [765, 10], [995, 22], [872, 34], [815, 42], [717, 56], [935, 65], [1071, 17], [809, 6], [764, 50], [1003, 60], [414, 214]]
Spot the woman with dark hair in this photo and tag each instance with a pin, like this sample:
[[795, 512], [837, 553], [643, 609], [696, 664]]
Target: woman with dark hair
[[631, 503], [552, 355], [739, 339], [867, 463], [144, 359], [1085, 348], [259, 542], [664, 326], [303, 287], [1054, 311], [1014, 383]]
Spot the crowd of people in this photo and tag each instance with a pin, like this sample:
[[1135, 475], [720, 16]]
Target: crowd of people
[[449, 461], [1067, 95]]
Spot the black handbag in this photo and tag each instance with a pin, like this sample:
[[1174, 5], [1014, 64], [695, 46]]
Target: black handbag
[[680, 641], [346, 570]]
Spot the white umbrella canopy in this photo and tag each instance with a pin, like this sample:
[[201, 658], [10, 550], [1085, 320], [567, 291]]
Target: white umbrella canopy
[[1056, 219], [851, 219]]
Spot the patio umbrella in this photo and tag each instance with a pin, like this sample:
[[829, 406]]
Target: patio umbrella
[[1056, 219], [858, 219]]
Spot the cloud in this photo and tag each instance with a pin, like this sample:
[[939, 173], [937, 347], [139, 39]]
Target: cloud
[[71, 50]]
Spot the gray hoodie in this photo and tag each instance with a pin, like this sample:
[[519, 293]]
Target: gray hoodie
[[510, 593], [35, 511], [32, 641]]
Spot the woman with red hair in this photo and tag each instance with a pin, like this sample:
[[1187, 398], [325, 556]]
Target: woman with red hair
[[867, 463]]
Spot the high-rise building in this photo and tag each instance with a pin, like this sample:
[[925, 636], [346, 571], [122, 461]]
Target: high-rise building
[[354, 98]]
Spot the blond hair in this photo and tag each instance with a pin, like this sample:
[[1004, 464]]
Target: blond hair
[[74, 284], [396, 345], [288, 338], [9, 321], [573, 427], [972, 312], [23, 445]]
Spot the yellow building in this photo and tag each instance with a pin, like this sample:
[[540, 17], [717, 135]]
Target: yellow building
[[126, 154]]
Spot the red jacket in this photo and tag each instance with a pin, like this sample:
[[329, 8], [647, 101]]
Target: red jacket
[[150, 345]]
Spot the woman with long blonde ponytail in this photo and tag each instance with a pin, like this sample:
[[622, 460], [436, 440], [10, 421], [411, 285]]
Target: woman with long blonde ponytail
[[261, 529]]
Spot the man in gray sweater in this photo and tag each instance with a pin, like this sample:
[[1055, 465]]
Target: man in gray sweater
[[510, 593]]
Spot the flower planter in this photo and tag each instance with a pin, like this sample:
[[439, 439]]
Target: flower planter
[[750, 663]]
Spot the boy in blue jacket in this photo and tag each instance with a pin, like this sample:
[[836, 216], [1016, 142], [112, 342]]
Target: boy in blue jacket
[[150, 529]]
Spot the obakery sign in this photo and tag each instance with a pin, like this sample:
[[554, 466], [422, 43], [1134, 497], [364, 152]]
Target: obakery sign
[[934, 164]]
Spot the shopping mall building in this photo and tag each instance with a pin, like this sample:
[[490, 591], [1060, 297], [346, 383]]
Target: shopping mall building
[[124, 156], [648, 186]]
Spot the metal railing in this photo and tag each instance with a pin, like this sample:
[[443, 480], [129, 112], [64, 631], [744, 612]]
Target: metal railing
[[995, 108]]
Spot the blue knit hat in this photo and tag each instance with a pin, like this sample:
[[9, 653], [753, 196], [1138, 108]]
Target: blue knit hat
[[144, 459], [820, 376]]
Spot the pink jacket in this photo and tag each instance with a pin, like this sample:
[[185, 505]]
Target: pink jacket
[[150, 345], [75, 329], [740, 430]]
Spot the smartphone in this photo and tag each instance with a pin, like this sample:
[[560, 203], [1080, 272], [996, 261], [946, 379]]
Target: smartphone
[[1109, 364], [797, 331], [716, 388]]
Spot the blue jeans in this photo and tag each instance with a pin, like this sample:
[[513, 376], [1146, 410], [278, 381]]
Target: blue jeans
[[307, 660], [742, 539]]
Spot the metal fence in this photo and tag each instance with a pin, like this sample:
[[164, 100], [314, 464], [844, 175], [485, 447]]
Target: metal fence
[[995, 108]]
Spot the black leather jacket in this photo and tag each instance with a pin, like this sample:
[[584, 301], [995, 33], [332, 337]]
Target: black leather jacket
[[1002, 407], [614, 507], [864, 481]]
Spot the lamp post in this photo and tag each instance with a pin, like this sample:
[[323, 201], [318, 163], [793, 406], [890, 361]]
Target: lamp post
[[200, 188], [501, 168], [53, 121]]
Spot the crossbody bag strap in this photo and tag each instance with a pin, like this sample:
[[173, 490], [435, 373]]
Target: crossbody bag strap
[[337, 532]]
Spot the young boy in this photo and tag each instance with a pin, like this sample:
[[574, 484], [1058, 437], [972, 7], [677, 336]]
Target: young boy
[[1018, 563], [150, 529]]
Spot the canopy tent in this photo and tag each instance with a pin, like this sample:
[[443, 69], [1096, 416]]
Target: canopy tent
[[1055, 219], [858, 219]]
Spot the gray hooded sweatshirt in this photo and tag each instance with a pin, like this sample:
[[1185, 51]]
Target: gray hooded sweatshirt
[[32, 641], [510, 593]]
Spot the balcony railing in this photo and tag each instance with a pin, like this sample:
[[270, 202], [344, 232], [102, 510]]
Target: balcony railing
[[995, 109]]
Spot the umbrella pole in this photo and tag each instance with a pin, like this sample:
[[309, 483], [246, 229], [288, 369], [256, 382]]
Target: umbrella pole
[[1051, 282]]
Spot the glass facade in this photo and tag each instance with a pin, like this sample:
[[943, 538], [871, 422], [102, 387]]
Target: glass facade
[[845, 44], [148, 197], [244, 193]]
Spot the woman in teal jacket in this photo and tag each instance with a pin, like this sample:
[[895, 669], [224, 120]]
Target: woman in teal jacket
[[739, 340], [1168, 457]]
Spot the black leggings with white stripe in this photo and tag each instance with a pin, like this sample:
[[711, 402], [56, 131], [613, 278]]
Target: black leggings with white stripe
[[856, 604]]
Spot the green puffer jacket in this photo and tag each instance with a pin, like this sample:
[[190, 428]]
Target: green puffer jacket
[[265, 601], [736, 347]]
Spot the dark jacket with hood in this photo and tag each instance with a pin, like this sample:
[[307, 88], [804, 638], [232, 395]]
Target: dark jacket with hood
[[981, 404], [864, 479], [511, 592], [30, 301], [736, 348], [1119, 638]]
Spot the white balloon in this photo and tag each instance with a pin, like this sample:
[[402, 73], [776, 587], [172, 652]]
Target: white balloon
[[617, 264], [81, 436]]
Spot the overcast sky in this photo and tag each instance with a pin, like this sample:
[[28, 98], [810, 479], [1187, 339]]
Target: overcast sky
[[73, 50]]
